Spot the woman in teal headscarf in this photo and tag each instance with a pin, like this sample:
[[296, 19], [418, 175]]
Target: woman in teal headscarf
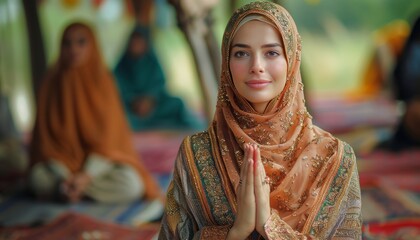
[[141, 81]]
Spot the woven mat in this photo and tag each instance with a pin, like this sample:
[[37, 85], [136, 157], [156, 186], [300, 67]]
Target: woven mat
[[21, 209], [390, 185], [158, 150], [76, 226], [340, 114]]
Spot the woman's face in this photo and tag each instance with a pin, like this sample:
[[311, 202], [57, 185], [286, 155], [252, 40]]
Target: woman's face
[[258, 63], [137, 46], [76, 47]]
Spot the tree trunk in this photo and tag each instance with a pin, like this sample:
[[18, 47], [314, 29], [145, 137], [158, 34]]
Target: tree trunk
[[143, 10], [36, 44], [232, 5], [196, 27]]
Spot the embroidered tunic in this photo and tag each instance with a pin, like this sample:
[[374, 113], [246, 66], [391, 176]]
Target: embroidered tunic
[[314, 190], [200, 206]]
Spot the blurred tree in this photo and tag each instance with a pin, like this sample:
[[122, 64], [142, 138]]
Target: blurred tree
[[312, 14], [36, 43], [144, 11], [195, 20]]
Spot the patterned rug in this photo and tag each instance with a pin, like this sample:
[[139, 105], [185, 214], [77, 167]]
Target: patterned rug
[[22, 210], [340, 114], [158, 150], [399, 229], [390, 185], [75, 226]]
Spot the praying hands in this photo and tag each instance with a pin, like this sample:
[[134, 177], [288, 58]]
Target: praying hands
[[253, 196]]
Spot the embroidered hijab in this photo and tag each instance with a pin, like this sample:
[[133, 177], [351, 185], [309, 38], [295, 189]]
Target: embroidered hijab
[[79, 112], [297, 156]]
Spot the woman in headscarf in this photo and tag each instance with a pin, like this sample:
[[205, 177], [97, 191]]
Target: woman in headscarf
[[406, 83], [81, 144], [262, 170], [388, 45], [142, 86]]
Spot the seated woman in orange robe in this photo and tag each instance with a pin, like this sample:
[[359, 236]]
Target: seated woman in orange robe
[[81, 144]]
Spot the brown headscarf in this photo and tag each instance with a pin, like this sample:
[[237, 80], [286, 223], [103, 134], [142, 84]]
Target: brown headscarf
[[79, 113], [299, 157]]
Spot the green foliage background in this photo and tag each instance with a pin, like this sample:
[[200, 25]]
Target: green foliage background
[[337, 42]]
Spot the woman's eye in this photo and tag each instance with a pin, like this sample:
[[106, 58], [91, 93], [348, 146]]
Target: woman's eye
[[272, 54], [82, 41], [240, 54]]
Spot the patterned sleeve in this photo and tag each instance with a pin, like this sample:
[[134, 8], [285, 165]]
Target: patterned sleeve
[[351, 224], [178, 221], [348, 225], [276, 228]]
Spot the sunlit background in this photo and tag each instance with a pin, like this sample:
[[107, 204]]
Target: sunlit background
[[340, 40], [337, 42]]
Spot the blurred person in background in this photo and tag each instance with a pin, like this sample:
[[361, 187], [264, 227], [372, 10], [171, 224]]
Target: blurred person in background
[[142, 84], [406, 81], [388, 45], [81, 145]]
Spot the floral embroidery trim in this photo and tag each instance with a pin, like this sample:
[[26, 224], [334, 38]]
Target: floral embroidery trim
[[172, 207], [277, 229], [210, 179], [336, 192], [215, 232]]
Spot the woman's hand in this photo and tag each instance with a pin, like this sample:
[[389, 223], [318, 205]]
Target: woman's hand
[[262, 193], [244, 223], [253, 196], [74, 187]]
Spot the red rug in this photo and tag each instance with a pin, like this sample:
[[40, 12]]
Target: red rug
[[158, 150], [400, 229], [396, 170], [340, 114], [390, 185], [75, 226]]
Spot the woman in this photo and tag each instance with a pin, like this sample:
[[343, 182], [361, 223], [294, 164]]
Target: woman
[[262, 170], [81, 145], [388, 45], [407, 89], [141, 82]]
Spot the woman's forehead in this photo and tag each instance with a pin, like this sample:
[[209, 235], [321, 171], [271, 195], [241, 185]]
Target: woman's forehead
[[76, 31], [256, 29]]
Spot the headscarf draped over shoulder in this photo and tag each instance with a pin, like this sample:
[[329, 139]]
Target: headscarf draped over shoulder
[[79, 112], [299, 157]]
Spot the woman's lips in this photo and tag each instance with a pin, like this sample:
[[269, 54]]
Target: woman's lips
[[257, 84]]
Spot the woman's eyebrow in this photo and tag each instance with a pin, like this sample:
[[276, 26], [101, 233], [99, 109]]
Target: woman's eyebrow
[[268, 45], [241, 45]]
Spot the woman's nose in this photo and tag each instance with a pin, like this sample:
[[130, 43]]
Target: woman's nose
[[257, 65]]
